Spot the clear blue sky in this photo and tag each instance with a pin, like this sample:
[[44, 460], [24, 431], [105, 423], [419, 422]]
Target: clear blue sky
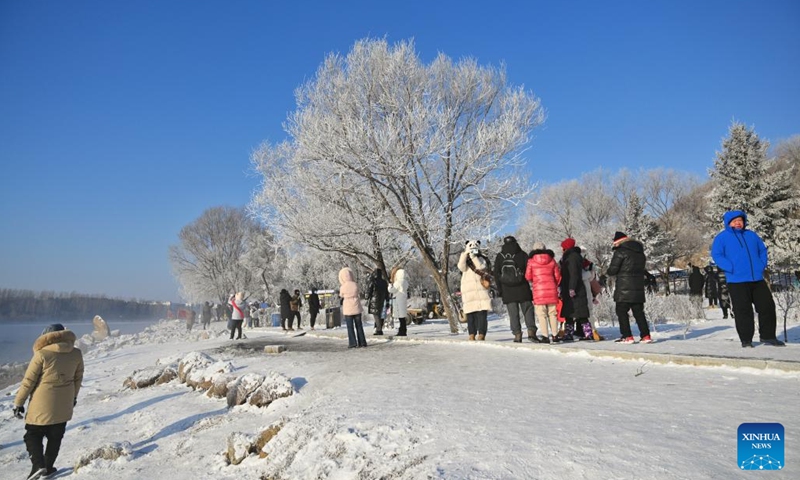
[[121, 122]]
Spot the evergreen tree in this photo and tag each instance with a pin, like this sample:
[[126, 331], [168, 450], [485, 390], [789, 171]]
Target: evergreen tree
[[743, 182]]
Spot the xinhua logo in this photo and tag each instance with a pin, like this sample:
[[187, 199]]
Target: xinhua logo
[[760, 446]]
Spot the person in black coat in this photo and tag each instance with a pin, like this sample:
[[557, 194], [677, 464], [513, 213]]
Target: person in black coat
[[696, 282], [313, 306], [711, 286], [509, 273], [286, 309], [376, 295], [628, 265], [575, 301]]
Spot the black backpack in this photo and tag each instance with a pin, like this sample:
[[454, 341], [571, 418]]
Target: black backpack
[[509, 273]]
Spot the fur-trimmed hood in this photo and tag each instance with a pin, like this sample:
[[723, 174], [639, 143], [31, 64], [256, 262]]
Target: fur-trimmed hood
[[60, 341]]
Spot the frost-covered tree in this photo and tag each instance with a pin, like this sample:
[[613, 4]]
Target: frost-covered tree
[[668, 196], [208, 260], [402, 150], [743, 181], [639, 226]]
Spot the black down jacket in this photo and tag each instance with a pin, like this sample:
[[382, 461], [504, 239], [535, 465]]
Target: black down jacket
[[285, 298], [628, 264], [378, 291], [520, 291], [572, 279]]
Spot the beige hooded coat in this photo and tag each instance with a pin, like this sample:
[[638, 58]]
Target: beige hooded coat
[[351, 304], [52, 380]]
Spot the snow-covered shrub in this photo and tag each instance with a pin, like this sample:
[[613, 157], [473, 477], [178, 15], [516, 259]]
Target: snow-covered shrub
[[273, 387], [143, 378], [242, 387], [111, 451]]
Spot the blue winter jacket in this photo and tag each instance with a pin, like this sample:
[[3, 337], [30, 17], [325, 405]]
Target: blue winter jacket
[[741, 254]]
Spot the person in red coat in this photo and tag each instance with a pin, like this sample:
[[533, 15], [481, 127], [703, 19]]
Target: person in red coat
[[544, 275]]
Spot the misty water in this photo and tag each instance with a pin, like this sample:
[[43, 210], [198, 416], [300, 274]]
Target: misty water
[[16, 338]]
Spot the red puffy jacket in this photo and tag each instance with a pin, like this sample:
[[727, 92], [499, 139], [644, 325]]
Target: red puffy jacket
[[544, 275]]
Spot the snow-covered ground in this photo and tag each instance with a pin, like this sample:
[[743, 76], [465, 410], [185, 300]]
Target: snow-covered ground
[[429, 406]]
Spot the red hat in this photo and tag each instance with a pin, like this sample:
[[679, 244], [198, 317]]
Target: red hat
[[567, 244]]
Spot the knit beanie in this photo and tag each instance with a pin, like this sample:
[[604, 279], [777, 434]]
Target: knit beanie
[[539, 246], [567, 244], [619, 236]]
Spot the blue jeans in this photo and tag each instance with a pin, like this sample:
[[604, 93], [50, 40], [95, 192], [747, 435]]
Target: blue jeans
[[355, 336]]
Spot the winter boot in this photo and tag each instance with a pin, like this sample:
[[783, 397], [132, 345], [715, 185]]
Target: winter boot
[[597, 337], [481, 336], [36, 473], [532, 335], [587, 331], [518, 337], [569, 330], [401, 332], [472, 336]]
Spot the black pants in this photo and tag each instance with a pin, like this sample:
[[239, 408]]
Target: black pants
[[712, 301], [297, 316], [378, 322], [477, 322], [625, 321], [236, 326], [743, 296], [313, 319], [35, 434]]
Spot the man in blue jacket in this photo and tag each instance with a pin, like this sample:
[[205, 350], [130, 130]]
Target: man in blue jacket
[[742, 255]]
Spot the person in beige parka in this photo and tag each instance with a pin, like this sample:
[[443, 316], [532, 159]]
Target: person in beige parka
[[51, 382]]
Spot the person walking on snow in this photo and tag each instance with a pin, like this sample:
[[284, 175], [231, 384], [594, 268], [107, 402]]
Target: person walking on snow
[[52, 382], [543, 273], [628, 265], [313, 306], [286, 310], [509, 271], [205, 315], [742, 255], [399, 288], [592, 287], [295, 304]]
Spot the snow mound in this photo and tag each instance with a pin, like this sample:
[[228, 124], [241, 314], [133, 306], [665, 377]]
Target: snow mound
[[150, 376], [242, 387], [273, 387], [203, 378], [315, 445], [192, 361], [110, 452]]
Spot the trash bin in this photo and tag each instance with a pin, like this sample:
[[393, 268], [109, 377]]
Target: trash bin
[[333, 317], [276, 319]]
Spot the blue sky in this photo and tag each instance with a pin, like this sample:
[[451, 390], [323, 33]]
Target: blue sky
[[121, 122]]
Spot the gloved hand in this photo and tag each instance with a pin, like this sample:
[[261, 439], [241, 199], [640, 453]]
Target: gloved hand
[[572, 294], [19, 411], [75, 401], [596, 301]]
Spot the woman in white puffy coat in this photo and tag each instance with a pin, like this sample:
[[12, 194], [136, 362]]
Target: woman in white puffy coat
[[474, 296], [398, 287]]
